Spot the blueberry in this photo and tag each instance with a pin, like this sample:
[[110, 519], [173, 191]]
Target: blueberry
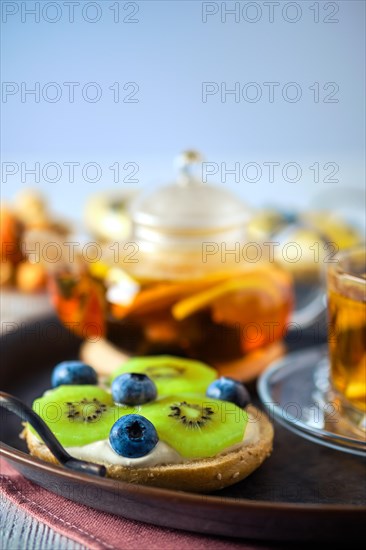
[[133, 389], [73, 372], [230, 390], [133, 436]]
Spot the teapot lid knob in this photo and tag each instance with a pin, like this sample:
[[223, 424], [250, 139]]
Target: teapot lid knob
[[187, 163]]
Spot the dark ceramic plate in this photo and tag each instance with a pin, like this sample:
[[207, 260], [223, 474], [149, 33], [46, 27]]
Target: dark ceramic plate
[[303, 492]]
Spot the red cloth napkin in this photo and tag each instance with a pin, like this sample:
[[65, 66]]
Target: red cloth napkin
[[99, 530]]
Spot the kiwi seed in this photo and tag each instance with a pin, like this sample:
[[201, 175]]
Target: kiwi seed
[[205, 414], [97, 410]]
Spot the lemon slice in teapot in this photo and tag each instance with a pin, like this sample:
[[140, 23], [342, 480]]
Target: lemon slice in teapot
[[256, 283]]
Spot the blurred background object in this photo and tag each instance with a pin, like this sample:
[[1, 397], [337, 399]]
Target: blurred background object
[[106, 214], [24, 277], [313, 236], [319, 233], [29, 211]]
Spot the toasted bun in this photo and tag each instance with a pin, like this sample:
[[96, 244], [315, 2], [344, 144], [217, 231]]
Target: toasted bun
[[199, 476]]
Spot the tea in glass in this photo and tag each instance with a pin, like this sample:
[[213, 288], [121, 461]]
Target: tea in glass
[[347, 333]]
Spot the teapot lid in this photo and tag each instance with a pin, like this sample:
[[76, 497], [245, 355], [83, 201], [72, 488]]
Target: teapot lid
[[189, 204]]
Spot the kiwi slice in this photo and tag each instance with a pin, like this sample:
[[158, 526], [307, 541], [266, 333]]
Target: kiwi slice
[[172, 375], [197, 427], [78, 415]]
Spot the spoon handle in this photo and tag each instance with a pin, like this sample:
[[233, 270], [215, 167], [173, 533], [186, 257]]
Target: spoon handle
[[14, 405]]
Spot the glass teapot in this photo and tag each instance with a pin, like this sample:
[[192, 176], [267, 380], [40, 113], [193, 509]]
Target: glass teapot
[[187, 280]]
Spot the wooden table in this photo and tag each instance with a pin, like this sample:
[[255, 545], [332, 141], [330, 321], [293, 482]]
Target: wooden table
[[21, 531]]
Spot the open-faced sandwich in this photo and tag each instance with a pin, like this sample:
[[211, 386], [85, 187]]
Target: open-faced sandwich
[[162, 421]]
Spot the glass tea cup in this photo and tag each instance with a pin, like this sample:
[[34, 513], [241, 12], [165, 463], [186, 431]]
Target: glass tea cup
[[347, 335]]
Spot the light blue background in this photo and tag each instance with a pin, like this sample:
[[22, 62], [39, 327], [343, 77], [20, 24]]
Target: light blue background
[[169, 53]]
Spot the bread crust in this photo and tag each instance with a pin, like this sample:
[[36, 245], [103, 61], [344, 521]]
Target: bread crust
[[198, 476]]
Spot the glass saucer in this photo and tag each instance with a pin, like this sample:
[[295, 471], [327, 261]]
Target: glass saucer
[[296, 392]]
